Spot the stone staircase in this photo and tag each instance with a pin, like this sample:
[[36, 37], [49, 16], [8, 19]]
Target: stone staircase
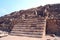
[[30, 27]]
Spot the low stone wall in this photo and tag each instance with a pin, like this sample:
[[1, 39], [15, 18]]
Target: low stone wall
[[53, 26]]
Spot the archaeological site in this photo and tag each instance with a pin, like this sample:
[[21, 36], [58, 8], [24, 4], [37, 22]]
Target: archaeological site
[[34, 22]]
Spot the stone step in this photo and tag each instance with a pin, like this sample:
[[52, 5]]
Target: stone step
[[22, 27], [33, 20], [29, 25], [32, 28], [24, 21], [33, 23], [27, 30], [30, 33], [39, 28], [27, 35], [22, 32]]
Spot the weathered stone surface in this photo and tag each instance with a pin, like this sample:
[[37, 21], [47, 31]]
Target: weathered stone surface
[[49, 12]]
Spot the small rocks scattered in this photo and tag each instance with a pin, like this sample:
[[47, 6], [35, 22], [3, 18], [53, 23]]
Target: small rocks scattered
[[3, 34]]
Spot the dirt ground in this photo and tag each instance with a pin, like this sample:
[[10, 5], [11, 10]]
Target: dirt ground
[[9, 37], [19, 38]]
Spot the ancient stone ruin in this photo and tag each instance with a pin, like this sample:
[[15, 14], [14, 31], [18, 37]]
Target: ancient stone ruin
[[30, 25], [34, 22]]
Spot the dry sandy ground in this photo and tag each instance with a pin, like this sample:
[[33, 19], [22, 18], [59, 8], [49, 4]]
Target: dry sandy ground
[[9, 37], [19, 38]]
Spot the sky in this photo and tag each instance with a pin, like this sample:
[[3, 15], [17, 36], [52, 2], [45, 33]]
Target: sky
[[8, 6]]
